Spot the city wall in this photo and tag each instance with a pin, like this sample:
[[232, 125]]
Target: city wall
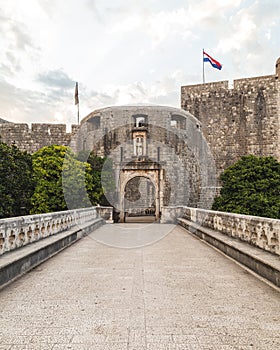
[[31, 139], [237, 121]]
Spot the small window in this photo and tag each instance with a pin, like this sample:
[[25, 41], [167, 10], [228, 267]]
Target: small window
[[93, 123], [140, 121], [178, 121]]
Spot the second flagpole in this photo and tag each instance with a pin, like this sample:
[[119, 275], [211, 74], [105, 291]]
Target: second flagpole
[[203, 73], [78, 113], [77, 102]]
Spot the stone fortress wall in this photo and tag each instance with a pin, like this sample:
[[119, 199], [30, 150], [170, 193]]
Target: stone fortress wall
[[31, 139], [237, 121]]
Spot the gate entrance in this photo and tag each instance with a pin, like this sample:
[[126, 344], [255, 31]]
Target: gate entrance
[[140, 190], [139, 200]]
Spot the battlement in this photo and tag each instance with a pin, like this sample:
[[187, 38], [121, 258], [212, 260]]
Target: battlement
[[238, 84], [218, 85], [254, 81], [32, 138]]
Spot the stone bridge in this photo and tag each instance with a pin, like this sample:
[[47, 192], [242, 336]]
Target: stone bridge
[[139, 286]]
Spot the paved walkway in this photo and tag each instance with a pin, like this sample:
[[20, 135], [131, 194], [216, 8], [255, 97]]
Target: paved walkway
[[175, 294]]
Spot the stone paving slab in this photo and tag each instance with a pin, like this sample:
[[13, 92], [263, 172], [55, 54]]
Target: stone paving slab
[[176, 294], [258, 260], [15, 263]]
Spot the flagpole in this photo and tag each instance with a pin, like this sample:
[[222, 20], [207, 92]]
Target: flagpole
[[78, 113], [203, 74], [77, 102]]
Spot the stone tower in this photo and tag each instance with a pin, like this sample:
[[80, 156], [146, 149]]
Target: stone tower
[[237, 121]]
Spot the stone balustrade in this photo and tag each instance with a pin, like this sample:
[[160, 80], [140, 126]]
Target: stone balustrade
[[20, 231], [257, 231]]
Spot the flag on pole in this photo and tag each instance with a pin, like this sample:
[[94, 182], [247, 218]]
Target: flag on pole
[[214, 63], [77, 102], [76, 94]]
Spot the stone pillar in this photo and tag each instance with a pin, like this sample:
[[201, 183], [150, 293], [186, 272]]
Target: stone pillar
[[121, 204]]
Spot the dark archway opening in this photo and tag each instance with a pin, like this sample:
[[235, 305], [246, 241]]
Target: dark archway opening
[[140, 200]]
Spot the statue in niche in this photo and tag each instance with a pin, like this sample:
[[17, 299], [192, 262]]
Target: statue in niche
[[139, 146]]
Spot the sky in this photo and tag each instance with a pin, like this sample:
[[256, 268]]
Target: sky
[[125, 52]]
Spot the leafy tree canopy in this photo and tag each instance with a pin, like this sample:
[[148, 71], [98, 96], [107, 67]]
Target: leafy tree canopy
[[103, 177], [62, 181], [52, 179], [251, 186], [16, 185]]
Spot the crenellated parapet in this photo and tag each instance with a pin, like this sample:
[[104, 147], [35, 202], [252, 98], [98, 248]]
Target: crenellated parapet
[[32, 138]]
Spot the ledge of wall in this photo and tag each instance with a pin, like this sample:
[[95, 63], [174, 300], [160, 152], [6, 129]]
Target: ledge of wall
[[258, 231], [20, 231], [17, 262]]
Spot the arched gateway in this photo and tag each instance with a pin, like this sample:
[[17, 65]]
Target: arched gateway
[[158, 156], [140, 197]]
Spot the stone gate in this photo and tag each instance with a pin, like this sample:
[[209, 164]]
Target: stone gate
[[163, 145]]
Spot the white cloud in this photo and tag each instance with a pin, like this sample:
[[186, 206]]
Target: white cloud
[[241, 31], [128, 24], [164, 91], [164, 24], [208, 12], [247, 38], [125, 51], [268, 34]]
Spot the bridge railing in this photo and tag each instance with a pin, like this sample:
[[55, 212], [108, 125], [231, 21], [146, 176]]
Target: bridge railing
[[20, 231], [258, 231]]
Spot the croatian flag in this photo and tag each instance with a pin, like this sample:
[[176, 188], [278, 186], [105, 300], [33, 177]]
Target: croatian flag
[[214, 63]]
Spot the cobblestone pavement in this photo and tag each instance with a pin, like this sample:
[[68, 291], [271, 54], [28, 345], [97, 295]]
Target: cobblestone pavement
[[176, 294]]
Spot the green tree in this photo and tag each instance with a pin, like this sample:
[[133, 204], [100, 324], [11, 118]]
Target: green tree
[[96, 164], [77, 181], [61, 180], [251, 186], [110, 194], [103, 179], [16, 185]]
